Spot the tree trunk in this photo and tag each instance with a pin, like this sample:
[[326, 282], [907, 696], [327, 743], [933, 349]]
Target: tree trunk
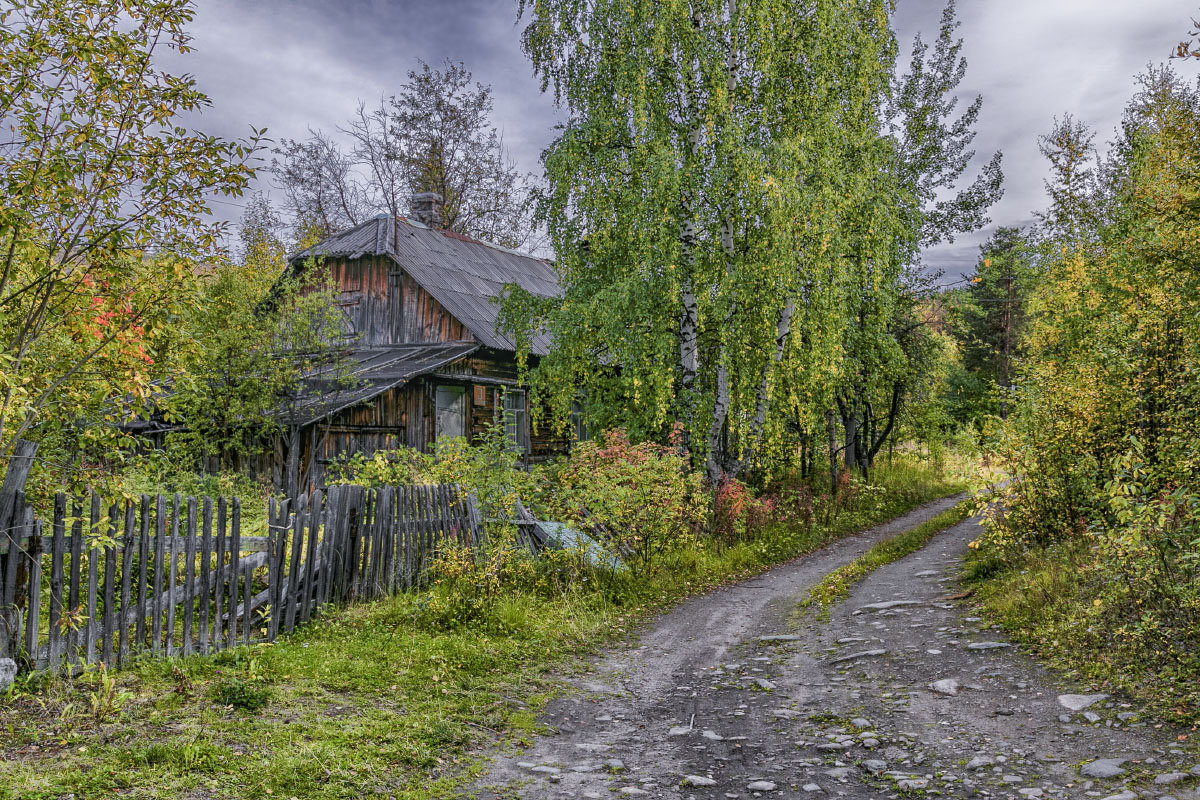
[[761, 401], [850, 421], [893, 414], [831, 426], [716, 450]]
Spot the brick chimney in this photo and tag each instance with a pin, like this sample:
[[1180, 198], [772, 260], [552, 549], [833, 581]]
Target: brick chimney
[[427, 209]]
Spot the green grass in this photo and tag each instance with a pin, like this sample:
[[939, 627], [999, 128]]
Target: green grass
[[837, 584], [370, 700], [1050, 600]]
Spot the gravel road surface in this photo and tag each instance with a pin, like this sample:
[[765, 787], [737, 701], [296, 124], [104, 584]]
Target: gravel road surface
[[901, 692]]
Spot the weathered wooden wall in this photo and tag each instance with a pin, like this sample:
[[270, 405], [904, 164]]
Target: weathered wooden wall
[[385, 306]]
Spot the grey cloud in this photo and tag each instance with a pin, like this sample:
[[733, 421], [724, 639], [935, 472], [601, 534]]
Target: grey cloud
[[290, 64]]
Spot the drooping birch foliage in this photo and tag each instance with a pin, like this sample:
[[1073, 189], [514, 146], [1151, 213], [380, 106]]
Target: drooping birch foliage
[[720, 197]]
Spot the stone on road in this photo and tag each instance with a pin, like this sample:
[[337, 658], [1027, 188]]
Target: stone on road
[[1080, 702], [1103, 768], [858, 655], [945, 686]]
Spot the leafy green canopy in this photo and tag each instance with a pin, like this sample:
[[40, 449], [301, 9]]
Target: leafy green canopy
[[709, 177], [103, 203], [732, 202]]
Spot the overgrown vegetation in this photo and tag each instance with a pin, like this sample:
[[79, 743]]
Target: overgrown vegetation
[[1093, 552], [393, 698]]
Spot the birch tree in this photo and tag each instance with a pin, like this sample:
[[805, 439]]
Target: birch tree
[[701, 198], [922, 201]]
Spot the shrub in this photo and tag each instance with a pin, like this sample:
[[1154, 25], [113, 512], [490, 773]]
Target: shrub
[[793, 498], [640, 495], [403, 466], [468, 585], [737, 514], [244, 694], [488, 468]]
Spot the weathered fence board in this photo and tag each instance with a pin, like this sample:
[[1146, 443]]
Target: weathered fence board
[[104, 582]]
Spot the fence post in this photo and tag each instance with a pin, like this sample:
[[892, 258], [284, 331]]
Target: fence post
[[12, 579]]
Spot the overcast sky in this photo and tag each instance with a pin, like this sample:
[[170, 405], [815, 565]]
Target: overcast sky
[[290, 64]]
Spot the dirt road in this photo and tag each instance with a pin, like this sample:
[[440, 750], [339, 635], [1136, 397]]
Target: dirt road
[[740, 694]]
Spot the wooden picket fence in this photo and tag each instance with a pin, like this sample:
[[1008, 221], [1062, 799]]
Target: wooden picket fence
[[175, 576]]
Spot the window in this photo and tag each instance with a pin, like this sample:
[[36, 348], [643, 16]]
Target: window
[[516, 419], [450, 411], [579, 427]]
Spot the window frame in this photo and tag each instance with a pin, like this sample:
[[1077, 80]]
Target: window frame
[[461, 391]]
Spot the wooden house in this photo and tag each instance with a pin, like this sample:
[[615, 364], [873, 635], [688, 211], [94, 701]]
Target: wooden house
[[426, 359]]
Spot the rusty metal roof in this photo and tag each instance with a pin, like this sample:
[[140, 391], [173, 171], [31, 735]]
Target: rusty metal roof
[[365, 374], [463, 274]]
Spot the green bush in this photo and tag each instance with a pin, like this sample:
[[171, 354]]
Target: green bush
[[640, 496], [244, 694]]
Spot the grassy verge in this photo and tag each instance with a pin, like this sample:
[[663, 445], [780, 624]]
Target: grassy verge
[[837, 584], [1052, 601], [371, 700]]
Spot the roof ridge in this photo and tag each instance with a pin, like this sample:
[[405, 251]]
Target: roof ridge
[[462, 237]]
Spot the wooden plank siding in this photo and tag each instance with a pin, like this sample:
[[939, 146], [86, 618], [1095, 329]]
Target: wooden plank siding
[[385, 306]]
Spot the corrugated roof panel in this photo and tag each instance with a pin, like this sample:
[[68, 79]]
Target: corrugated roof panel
[[461, 274], [369, 373]]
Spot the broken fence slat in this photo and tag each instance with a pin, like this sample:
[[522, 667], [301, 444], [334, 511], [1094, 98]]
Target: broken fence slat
[[205, 575], [73, 585], [189, 572], [126, 584], [160, 554], [110, 577], [235, 547], [33, 607], [141, 637], [218, 634]]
